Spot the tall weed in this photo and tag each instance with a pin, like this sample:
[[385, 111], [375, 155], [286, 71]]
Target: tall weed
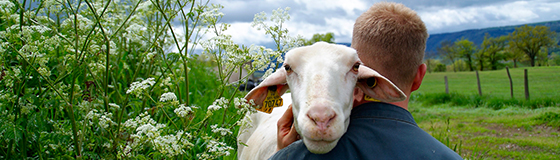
[[132, 79]]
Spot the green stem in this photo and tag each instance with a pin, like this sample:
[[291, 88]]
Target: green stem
[[229, 104], [70, 108]]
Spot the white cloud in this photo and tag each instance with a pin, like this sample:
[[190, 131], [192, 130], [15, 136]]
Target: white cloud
[[312, 16], [349, 6], [242, 32], [342, 28], [511, 13]]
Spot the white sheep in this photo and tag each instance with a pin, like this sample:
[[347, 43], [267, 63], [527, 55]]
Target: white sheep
[[323, 80]]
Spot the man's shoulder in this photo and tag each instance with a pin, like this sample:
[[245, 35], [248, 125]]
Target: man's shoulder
[[378, 131]]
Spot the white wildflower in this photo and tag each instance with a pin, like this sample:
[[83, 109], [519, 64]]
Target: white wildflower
[[280, 15], [183, 110], [127, 150], [222, 131], [166, 82], [150, 55], [105, 120], [169, 96], [83, 22], [218, 104], [115, 106], [5, 6], [149, 130], [137, 88], [43, 71], [268, 72], [212, 14], [107, 145], [97, 68], [243, 106], [92, 114], [214, 107], [218, 149], [171, 145]]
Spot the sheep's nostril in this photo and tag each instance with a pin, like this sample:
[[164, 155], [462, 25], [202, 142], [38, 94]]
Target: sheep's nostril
[[321, 117]]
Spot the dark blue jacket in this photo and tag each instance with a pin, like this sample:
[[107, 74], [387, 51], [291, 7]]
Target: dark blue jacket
[[377, 131]]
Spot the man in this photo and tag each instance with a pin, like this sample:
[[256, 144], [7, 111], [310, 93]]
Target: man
[[389, 38]]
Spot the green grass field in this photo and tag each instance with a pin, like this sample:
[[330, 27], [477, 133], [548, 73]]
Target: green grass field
[[544, 82], [484, 133], [511, 131]]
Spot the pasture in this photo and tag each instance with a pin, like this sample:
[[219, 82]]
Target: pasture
[[543, 82], [476, 129]]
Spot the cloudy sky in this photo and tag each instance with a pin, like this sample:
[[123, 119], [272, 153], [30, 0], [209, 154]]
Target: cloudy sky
[[440, 16]]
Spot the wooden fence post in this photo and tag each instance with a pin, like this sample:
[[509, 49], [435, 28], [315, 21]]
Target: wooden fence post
[[446, 85], [526, 85], [510, 82], [478, 83]]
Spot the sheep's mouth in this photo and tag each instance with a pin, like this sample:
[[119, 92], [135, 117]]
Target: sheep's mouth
[[322, 139], [320, 146]]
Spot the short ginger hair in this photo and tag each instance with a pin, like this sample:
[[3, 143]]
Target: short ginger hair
[[391, 38]]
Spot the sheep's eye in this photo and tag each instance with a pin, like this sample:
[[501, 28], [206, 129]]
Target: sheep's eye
[[288, 68], [356, 67]]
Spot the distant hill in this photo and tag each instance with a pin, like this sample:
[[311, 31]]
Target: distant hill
[[477, 35]]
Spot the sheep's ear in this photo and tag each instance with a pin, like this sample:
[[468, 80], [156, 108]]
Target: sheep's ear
[[275, 82], [378, 87]]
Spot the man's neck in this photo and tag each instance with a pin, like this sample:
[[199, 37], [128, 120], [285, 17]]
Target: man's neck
[[402, 104]]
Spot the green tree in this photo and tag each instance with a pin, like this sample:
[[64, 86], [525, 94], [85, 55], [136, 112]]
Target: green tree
[[465, 49], [492, 50], [327, 37], [445, 51], [542, 58], [440, 67], [554, 59], [434, 65], [530, 40], [430, 64], [480, 59], [460, 65], [514, 54]]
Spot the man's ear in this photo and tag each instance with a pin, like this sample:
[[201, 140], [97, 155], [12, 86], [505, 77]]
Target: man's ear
[[276, 79], [419, 77], [358, 95], [378, 87]]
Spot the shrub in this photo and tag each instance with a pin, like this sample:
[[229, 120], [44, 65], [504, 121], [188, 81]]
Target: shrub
[[116, 79], [549, 118]]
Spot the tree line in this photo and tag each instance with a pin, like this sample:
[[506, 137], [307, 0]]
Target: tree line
[[529, 44]]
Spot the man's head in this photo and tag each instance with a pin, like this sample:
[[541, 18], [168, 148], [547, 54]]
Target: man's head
[[391, 39]]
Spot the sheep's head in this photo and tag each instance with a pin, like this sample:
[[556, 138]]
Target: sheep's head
[[323, 79]]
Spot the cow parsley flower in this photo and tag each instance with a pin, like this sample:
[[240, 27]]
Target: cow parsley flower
[[6, 5], [214, 107], [212, 14], [115, 106], [171, 145], [137, 88], [183, 110], [169, 96], [105, 120], [216, 149], [218, 104], [222, 131]]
